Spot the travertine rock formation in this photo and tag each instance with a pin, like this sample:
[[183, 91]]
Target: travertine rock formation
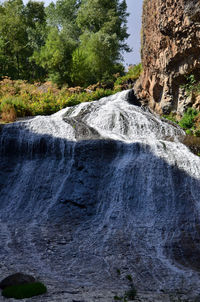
[[170, 51]]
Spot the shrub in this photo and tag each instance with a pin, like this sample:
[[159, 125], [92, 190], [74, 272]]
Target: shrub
[[187, 120], [21, 108], [171, 117], [133, 74], [189, 86], [24, 290], [189, 132], [19, 99], [8, 113]]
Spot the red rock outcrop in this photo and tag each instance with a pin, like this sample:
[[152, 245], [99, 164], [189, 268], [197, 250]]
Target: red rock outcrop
[[170, 51]]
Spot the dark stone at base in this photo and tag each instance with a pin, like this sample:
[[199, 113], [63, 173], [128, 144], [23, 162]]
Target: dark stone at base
[[16, 279]]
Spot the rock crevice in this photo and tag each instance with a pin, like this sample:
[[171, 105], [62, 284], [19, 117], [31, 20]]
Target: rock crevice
[[170, 52]]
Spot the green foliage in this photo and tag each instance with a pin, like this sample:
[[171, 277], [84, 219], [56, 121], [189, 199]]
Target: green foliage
[[24, 290], [70, 41], [192, 86], [133, 74], [21, 108], [171, 117], [20, 34], [190, 83], [55, 56], [189, 132], [22, 99], [187, 120], [103, 34], [80, 72]]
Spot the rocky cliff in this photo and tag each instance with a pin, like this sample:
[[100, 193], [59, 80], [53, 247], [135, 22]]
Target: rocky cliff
[[170, 52]]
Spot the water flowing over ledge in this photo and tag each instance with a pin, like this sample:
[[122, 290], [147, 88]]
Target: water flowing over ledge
[[97, 187]]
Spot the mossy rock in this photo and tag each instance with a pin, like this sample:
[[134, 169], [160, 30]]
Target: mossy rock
[[16, 279], [24, 290]]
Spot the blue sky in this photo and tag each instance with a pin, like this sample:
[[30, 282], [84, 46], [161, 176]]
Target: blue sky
[[134, 28]]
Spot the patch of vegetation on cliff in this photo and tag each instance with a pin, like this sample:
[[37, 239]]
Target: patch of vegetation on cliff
[[190, 122], [192, 85], [133, 74]]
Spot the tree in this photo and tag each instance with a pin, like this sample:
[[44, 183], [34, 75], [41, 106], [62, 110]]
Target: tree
[[20, 31], [80, 72], [62, 39], [103, 25], [13, 36], [72, 41], [55, 56], [36, 28]]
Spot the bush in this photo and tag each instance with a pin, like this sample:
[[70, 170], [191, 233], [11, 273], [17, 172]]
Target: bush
[[8, 113], [24, 290], [189, 132], [171, 117], [133, 74], [19, 99], [187, 120]]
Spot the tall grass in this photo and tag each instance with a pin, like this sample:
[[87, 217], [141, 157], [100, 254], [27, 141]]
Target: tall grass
[[19, 99]]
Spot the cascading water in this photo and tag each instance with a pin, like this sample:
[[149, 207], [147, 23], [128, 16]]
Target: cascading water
[[98, 188]]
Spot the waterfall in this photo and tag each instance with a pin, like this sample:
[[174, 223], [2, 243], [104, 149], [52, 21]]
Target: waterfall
[[97, 187]]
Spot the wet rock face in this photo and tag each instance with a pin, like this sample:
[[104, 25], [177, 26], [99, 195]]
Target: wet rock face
[[95, 189], [170, 50]]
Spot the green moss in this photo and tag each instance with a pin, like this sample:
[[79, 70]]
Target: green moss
[[24, 290]]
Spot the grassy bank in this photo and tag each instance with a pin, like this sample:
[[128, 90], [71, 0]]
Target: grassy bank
[[20, 99]]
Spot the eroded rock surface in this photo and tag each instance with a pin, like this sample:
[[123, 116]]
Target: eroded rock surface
[[170, 51]]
